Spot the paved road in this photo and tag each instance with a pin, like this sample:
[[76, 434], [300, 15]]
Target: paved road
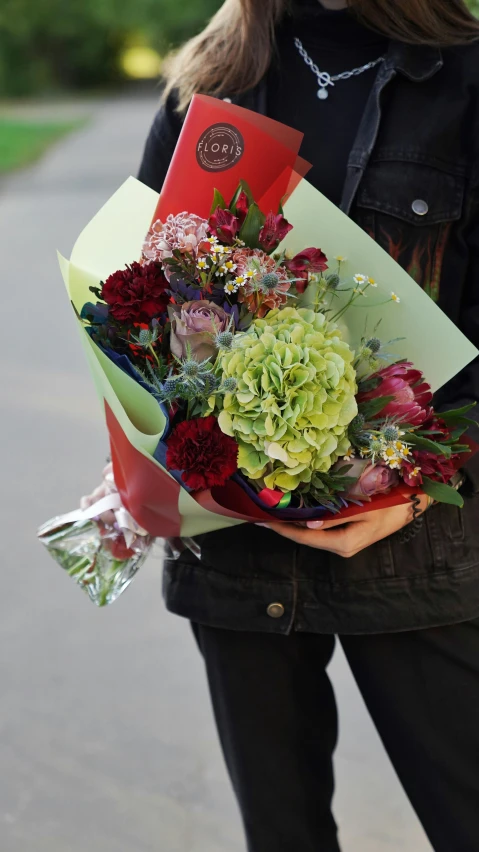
[[106, 738]]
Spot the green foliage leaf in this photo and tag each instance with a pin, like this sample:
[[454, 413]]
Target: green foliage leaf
[[218, 201], [457, 416], [366, 385], [460, 448], [374, 406], [425, 444], [442, 493], [252, 226], [456, 434], [242, 187]]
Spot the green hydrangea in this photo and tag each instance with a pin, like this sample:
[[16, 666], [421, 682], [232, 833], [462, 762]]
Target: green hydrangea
[[295, 397]]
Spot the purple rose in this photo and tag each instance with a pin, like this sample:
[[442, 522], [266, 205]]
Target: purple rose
[[195, 325], [370, 479]]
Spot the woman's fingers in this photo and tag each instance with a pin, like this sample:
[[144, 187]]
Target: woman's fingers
[[343, 541], [347, 539], [328, 525], [107, 472]]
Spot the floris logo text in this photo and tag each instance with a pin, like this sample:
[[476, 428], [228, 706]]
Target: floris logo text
[[219, 148]]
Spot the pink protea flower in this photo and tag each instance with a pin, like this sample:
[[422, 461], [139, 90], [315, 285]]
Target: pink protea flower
[[411, 393], [266, 284], [184, 232]]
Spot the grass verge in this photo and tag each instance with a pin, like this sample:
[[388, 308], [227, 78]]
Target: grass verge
[[22, 141]]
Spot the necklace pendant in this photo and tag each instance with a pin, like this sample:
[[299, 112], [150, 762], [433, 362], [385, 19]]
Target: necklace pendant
[[323, 93]]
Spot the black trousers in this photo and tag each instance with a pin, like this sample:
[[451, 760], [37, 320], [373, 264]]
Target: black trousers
[[277, 720]]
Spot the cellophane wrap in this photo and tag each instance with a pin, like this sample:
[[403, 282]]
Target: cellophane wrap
[[101, 558]]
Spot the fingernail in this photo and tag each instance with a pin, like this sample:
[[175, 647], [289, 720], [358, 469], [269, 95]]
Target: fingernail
[[266, 526], [314, 525]]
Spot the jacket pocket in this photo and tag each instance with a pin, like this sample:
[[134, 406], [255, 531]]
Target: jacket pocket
[[408, 208], [448, 542]]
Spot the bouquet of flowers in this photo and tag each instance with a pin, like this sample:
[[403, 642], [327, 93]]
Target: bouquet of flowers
[[240, 344], [246, 372]]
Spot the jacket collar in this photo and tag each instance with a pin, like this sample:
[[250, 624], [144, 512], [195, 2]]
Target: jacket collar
[[417, 62]]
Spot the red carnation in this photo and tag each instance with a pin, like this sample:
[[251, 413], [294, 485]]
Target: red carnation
[[309, 260], [273, 232], [204, 454], [224, 225], [425, 463], [137, 293]]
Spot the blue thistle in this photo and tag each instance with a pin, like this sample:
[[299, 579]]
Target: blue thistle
[[269, 281], [391, 433], [333, 281], [229, 385], [145, 337], [170, 386], [224, 340], [191, 369], [374, 344], [357, 424]]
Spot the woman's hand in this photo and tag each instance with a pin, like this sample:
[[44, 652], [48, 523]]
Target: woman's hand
[[106, 487], [346, 538]]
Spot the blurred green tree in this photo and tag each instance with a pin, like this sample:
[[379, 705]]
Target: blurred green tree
[[52, 44]]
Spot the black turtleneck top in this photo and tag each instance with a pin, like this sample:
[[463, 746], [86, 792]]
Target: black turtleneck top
[[336, 42]]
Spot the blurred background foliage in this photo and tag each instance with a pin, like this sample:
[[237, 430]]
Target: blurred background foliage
[[53, 45], [50, 45]]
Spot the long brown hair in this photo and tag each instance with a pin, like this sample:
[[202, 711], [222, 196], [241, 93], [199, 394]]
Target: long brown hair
[[234, 51]]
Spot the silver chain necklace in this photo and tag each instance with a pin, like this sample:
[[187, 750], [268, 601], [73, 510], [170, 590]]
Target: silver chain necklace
[[324, 79]]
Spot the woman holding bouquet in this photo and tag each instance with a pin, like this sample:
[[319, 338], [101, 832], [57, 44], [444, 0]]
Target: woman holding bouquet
[[387, 95]]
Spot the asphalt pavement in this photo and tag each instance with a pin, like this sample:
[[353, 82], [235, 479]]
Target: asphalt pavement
[[106, 736]]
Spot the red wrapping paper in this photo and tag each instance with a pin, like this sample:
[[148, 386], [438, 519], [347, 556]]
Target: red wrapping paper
[[218, 146]]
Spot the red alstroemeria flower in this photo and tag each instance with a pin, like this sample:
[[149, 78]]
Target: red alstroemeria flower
[[309, 260], [224, 225], [242, 207], [425, 463], [204, 454], [273, 232]]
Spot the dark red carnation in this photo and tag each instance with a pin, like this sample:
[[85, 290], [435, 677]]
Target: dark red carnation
[[436, 467], [137, 293], [273, 232], [309, 260], [204, 454], [224, 225]]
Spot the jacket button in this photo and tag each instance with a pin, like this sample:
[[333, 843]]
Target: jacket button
[[275, 610], [420, 207]]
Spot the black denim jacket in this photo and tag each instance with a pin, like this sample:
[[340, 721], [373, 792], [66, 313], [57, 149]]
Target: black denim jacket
[[418, 142]]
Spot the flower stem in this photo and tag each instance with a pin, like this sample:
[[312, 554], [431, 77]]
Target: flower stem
[[155, 356]]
